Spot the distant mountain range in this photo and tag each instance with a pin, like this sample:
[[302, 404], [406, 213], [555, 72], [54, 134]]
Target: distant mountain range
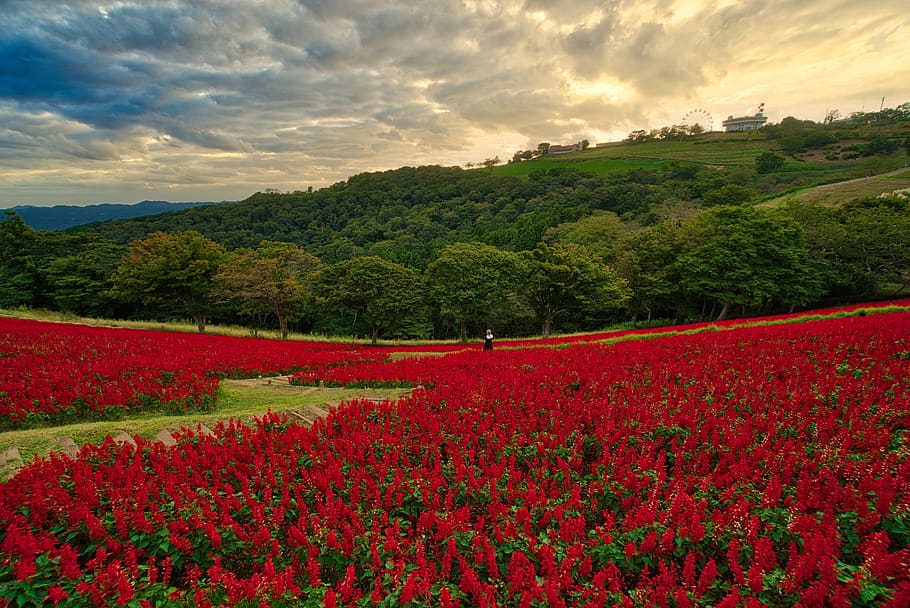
[[61, 217]]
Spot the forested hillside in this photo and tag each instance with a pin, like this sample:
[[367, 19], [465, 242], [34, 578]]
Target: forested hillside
[[407, 215], [441, 251]]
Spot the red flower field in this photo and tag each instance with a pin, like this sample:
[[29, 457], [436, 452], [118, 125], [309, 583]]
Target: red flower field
[[766, 465]]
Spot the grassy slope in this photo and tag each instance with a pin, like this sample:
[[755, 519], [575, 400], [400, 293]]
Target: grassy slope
[[829, 182], [725, 150], [839, 192]]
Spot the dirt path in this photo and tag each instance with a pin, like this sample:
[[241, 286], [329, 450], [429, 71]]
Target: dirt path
[[280, 384]]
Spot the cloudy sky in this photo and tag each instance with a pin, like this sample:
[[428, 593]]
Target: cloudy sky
[[201, 100]]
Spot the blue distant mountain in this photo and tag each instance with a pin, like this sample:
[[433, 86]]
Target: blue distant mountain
[[61, 217]]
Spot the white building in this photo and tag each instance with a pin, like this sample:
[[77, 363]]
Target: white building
[[746, 123]]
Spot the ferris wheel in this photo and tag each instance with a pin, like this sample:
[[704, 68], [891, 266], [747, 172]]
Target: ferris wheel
[[700, 117]]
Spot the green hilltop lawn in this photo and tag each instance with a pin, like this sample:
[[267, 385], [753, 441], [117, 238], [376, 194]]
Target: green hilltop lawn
[[721, 150], [812, 175]]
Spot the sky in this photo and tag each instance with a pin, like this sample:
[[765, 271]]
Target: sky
[[210, 100]]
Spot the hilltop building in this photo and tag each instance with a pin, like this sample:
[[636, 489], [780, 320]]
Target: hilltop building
[[556, 149], [746, 123]]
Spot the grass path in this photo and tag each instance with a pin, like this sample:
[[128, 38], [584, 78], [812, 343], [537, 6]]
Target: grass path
[[238, 399], [833, 194]]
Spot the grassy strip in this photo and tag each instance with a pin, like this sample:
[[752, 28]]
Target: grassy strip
[[808, 316], [235, 400], [237, 331]]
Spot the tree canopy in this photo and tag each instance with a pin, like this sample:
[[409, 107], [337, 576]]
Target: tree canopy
[[562, 279], [273, 279], [377, 296], [178, 267], [475, 284], [743, 256]]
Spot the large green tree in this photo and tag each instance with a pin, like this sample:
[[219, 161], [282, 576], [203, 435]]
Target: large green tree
[[598, 233], [569, 281], [20, 248], [859, 248], [877, 242], [648, 265], [826, 241], [273, 279], [475, 283], [381, 295], [79, 281], [174, 267], [768, 162], [746, 256]]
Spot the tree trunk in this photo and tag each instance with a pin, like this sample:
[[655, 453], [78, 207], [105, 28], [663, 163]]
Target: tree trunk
[[375, 334], [464, 331], [283, 325], [723, 312], [199, 318]]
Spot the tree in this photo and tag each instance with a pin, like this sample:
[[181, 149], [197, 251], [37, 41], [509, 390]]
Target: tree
[[826, 240], [598, 233], [170, 267], [877, 233], [768, 162], [522, 155], [859, 247], [639, 136], [542, 148], [20, 279], [80, 281], [474, 282], [647, 263], [491, 162], [831, 116], [728, 194], [380, 294], [272, 279], [745, 256], [569, 280]]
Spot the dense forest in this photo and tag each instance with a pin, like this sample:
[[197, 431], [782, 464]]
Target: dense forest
[[434, 251]]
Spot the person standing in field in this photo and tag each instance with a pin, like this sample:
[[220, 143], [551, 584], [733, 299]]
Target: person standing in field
[[488, 340]]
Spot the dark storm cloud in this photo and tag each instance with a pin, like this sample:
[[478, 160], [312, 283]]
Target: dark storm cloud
[[53, 72]]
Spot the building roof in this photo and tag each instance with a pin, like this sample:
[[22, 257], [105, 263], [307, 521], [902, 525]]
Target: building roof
[[756, 118], [557, 149]]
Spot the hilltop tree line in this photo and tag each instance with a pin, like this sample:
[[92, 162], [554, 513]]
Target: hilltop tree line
[[572, 268]]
